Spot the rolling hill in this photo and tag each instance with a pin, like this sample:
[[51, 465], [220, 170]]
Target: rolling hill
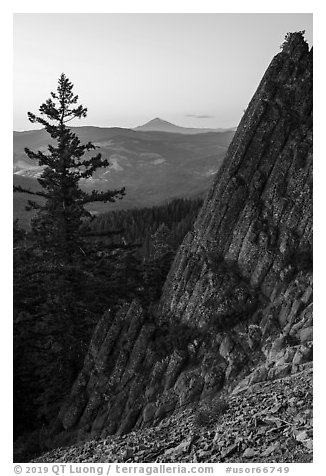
[[154, 166]]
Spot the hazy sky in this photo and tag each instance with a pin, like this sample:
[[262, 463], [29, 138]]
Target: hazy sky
[[197, 70]]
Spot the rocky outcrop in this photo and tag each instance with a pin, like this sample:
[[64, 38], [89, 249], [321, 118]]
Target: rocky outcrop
[[239, 293], [268, 422]]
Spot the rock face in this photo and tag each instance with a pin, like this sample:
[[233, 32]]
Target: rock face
[[242, 280]]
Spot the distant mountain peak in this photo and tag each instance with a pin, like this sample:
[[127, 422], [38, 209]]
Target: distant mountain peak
[[161, 125], [158, 121]]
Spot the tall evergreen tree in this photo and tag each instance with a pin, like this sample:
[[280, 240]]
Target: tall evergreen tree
[[54, 311], [57, 225], [58, 229]]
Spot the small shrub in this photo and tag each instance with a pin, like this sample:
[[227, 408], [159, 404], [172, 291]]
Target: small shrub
[[210, 414]]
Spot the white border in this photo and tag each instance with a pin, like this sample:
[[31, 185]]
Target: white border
[[167, 6]]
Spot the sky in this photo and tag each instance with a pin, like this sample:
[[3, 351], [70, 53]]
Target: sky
[[195, 70]]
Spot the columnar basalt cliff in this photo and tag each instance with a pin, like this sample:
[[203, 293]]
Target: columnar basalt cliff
[[240, 289]]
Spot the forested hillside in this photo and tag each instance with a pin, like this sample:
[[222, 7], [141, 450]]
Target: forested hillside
[[139, 246], [139, 226]]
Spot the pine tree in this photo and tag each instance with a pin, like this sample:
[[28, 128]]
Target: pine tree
[[54, 281], [57, 225], [58, 229]]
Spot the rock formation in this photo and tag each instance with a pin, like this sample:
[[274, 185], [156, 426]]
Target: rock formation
[[268, 422], [238, 298]]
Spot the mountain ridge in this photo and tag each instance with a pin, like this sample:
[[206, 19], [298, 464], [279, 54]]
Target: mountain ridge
[[153, 166], [155, 125]]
